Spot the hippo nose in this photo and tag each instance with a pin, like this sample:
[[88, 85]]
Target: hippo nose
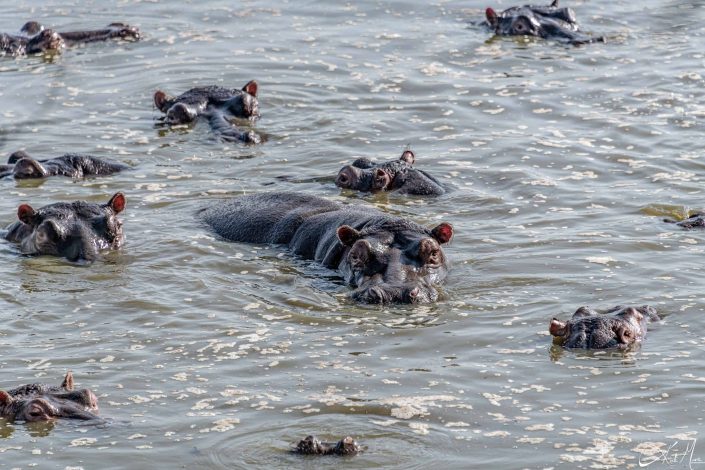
[[342, 180], [414, 295]]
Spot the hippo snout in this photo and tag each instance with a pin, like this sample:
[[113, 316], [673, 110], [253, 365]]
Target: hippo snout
[[346, 178], [386, 294]]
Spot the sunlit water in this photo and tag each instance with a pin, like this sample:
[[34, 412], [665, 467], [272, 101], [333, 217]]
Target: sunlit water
[[562, 160]]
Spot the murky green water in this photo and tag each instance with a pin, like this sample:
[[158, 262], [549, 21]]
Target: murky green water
[[208, 354]]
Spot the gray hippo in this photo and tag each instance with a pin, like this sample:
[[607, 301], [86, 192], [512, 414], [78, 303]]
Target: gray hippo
[[312, 446], [22, 166], [549, 22], [694, 221], [384, 257], [33, 38], [76, 230], [396, 175], [619, 328], [39, 402], [216, 105]]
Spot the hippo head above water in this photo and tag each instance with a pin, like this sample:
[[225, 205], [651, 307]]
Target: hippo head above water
[[74, 230], [311, 445], [39, 402], [619, 328], [548, 21], [396, 175]]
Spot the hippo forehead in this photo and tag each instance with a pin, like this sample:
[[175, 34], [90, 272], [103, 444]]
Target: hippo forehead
[[66, 210]]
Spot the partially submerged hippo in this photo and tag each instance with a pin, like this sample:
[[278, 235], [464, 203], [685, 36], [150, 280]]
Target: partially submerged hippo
[[34, 39], [396, 175], [217, 105], [22, 166], [620, 327], [694, 221], [39, 402], [75, 230], [549, 22], [312, 446], [385, 258]]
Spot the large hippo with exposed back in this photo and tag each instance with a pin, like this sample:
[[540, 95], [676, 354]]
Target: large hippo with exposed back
[[385, 258]]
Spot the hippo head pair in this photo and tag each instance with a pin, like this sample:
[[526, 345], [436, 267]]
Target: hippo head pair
[[75, 230], [394, 261], [619, 328], [39, 402]]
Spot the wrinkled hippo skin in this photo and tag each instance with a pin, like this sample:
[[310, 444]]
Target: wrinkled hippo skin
[[34, 39], [396, 175], [694, 221], [312, 446], [619, 328], [548, 22], [215, 104], [385, 258], [22, 166], [76, 230], [39, 402]]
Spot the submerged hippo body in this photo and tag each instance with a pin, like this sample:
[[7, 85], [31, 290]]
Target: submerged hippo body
[[385, 258], [548, 22], [34, 39], [694, 221], [619, 328], [22, 166], [396, 175], [312, 446], [216, 105], [74, 230], [39, 402]]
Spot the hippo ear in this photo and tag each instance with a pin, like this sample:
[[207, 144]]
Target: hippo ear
[[558, 328], [117, 202], [17, 156], [442, 232], [67, 384], [554, 3], [347, 235], [634, 313], [26, 214], [5, 398], [491, 17], [408, 157], [251, 88], [160, 99]]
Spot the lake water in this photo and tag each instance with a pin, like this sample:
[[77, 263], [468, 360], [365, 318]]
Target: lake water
[[562, 160]]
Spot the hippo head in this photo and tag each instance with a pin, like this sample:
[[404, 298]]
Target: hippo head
[[365, 175], [76, 231], [245, 105], [620, 328], [46, 40], [37, 402], [394, 261], [124, 31], [27, 168], [541, 21], [313, 446]]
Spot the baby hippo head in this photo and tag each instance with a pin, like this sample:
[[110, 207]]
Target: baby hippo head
[[619, 328], [245, 105], [365, 175], [46, 40], [532, 20], [394, 262]]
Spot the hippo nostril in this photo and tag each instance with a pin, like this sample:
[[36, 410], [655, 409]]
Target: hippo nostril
[[414, 294]]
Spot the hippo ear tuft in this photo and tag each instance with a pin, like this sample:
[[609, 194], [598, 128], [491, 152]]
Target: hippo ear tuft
[[557, 328], [442, 232], [26, 214], [408, 157], [67, 384], [117, 202], [251, 88], [5, 398], [347, 235], [491, 17]]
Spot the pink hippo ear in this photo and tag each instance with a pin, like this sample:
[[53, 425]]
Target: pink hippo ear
[[251, 88], [558, 328], [347, 235], [117, 202], [442, 232], [492, 18], [5, 398], [25, 213], [408, 157], [67, 384]]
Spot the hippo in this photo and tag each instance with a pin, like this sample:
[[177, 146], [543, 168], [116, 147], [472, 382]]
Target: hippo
[[77, 231], [619, 328], [396, 175], [216, 105], [548, 22], [33, 38], [383, 257], [39, 402], [694, 221], [312, 446], [22, 166]]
